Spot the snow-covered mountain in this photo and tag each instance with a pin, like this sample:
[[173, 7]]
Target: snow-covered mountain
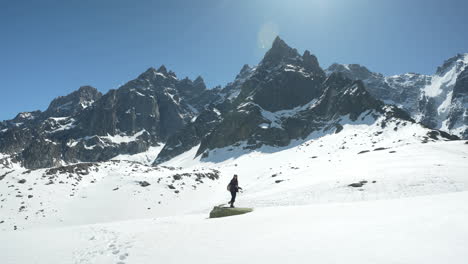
[[86, 126], [437, 101], [285, 101], [323, 156], [285, 97]]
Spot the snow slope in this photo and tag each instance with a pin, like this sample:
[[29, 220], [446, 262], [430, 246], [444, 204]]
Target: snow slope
[[411, 209], [410, 230]]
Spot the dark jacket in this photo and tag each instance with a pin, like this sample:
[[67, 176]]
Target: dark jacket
[[233, 186]]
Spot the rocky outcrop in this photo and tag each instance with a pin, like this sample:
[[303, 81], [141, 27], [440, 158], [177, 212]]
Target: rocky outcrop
[[41, 153], [219, 211], [191, 135]]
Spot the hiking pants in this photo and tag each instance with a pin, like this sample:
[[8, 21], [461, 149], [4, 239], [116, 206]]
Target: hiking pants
[[233, 197]]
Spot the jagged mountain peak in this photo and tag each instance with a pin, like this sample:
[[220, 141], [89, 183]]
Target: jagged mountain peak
[[246, 69], [72, 103], [279, 51], [199, 84], [162, 69], [152, 73], [459, 61], [345, 96], [286, 97], [87, 89], [310, 62], [26, 116], [352, 71], [438, 101], [337, 79], [283, 79], [199, 80], [281, 57], [278, 43], [335, 67]]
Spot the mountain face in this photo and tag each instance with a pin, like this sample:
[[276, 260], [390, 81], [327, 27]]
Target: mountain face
[[285, 98], [86, 126], [73, 103], [284, 79], [437, 101]]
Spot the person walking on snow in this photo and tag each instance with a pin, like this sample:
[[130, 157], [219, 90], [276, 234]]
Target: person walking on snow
[[233, 188]]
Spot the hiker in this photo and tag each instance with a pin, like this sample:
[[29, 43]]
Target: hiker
[[233, 188]]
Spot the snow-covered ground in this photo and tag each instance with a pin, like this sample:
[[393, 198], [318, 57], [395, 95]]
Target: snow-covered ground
[[430, 229], [146, 157], [411, 207]]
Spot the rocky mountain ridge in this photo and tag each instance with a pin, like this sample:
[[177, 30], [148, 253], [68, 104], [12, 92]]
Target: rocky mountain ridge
[[438, 101], [286, 97], [86, 126]]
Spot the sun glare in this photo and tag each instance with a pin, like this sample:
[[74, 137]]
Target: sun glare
[[267, 33]]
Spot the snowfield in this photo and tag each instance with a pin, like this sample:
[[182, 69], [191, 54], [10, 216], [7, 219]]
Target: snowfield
[[408, 204], [412, 230]]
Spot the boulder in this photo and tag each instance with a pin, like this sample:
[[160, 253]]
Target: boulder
[[220, 211], [144, 183]]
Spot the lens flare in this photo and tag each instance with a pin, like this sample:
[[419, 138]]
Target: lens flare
[[267, 33]]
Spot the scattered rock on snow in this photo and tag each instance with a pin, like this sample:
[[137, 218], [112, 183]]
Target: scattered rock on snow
[[219, 211], [5, 174], [364, 151], [357, 184], [79, 169], [22, 181], [144, 183], [377, 149]]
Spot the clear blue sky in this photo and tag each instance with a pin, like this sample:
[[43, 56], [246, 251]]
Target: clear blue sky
[[50, 48]]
